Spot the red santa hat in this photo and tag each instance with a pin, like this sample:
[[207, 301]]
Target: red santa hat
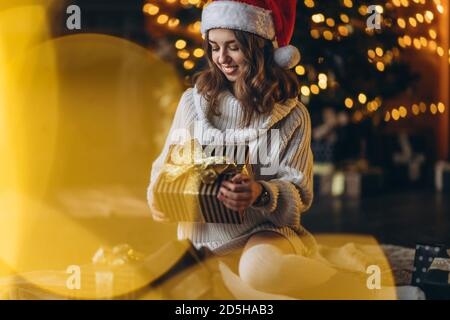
[[271, 19]]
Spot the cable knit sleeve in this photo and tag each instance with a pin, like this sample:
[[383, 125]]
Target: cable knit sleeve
[[292, 190], [182, 120]]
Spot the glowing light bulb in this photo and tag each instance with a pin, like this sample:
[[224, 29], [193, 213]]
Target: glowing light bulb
[[412, 22], [328, 35], [348, 3], [432, 33], [407, 40], [429, 16], [403, 112], [183, 54], [401, 23], [173, 22], [380, 66], [198, 53], [305, 91], [322, 84], [318, 18], [309, 3], [300, 70], [433, 108], [362, 98], [180, 44], [322, 77], [315, 34], [422, 107], [419, 17], [379, 51], [188, 64], [343, 31], [344, 18], [395, 114], [348, 103], [163, 18]]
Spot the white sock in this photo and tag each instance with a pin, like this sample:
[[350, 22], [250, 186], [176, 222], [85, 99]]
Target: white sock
[[266, 268]]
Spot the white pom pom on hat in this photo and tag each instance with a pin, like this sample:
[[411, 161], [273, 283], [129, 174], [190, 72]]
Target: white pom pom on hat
[[271, 19], [287, 56]]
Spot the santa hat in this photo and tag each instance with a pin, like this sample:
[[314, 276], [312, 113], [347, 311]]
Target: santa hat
[[271, 19]]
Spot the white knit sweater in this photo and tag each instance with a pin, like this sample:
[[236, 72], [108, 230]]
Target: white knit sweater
[[290, 185]]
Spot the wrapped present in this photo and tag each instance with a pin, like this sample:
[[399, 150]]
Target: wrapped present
[[114, 271], [437, 279], [323, 178], [363, 183], [432, 270], [442, 176], [188, 185], [323, 151]]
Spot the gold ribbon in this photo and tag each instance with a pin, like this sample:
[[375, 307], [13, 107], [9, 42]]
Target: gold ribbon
[[441, 264], [194, 161], [117, 256]]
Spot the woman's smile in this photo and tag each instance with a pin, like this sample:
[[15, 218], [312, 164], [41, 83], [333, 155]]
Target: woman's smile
[[229, 69]]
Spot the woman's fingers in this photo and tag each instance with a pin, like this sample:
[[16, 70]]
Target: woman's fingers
[[235, 205], [240, 177], [236, 195], [245, 187]]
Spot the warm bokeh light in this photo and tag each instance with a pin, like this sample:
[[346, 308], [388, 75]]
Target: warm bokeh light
[[300, 70], [305, 90], [362, 98], [348, 103], [180, 44]]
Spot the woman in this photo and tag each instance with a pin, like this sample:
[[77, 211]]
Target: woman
[[245, 92]]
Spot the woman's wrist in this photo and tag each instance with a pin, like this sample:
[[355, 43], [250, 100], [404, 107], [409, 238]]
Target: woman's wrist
[[263, 198]]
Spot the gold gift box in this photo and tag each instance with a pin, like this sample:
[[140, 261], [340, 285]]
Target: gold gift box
[[188, 185]]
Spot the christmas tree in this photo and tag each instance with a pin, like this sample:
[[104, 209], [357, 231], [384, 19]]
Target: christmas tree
[[352, 52]]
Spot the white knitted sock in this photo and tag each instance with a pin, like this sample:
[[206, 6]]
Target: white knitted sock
[[266, 268]]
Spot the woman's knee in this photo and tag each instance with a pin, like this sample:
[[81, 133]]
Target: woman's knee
[[272, 238], [259, 267], [266, 268]]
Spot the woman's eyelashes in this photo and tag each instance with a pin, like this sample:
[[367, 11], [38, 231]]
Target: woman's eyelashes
[[231, 48]]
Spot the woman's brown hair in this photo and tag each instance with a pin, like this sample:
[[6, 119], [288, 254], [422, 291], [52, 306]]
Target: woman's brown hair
[[262, 84]]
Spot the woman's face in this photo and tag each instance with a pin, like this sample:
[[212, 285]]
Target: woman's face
[[226, 53]]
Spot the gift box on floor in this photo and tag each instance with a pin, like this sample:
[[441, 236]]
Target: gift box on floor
[[323, 151], [432, 270], [323, 178], [442, 176], [352, 183], [437, 279], [363, 183], [188, 185]]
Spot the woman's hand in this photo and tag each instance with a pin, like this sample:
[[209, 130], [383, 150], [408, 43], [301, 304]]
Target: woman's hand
[[239, 193]]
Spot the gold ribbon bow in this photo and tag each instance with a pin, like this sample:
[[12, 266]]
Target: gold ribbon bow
[[117, 256], [193, 160]]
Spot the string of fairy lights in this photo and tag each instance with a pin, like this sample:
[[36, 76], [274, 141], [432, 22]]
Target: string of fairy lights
[[172, 24], [415, 27], [418, 34]]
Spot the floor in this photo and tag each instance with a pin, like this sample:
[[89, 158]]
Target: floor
[[401, 218]]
